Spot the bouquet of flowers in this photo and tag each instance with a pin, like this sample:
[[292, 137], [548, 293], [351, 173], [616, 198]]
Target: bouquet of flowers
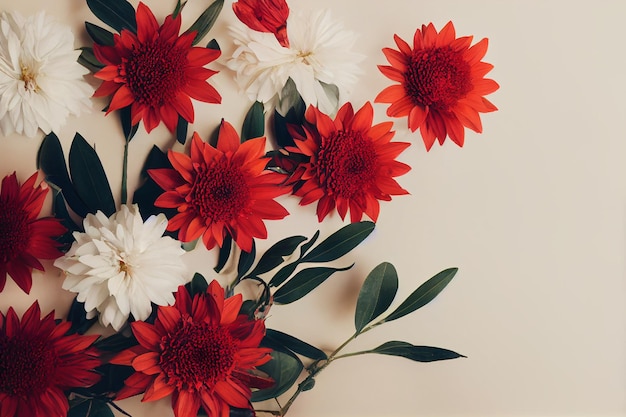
[[142, 323]]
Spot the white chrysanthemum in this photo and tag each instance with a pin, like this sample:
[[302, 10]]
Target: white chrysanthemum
[[41, 82], [319, 60], [121, 264]]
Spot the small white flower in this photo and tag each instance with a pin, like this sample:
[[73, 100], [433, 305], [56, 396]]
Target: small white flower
[[121, 264], [318, 60], [41, 82]]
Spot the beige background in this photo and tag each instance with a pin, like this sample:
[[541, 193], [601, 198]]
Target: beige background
[[531, 211]]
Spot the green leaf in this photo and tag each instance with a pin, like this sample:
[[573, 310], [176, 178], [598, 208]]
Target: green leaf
[[198, 285], [119, 14], [376, 295], [88, 60], [310, 243], [89, 177], [415, 353], [254, 123], [340, 242], [213, 45], [303, 283], [117, 342], [149, 191], [59, 210], [424, 294], [127, 127], [178, 8], [274, 256], [78, 317], [224, 253], [284, 368], [279, 340], [51, 160], [181, 130], [99, 35], [246, 259], [205, 22], [91, 408], [332, 93], [283, 273]]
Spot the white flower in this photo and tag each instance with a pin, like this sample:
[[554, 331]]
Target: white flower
[[319, 60], [41, 83], [121, 264]]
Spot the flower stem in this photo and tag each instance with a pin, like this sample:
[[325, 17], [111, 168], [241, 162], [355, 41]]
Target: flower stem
[[125, 174]]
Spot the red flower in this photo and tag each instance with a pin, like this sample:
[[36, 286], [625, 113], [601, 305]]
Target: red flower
[[202, 351], [38, 362], [352, 163], [23, 237], [265, 16], [441, 86], [220, 190], [156, 72]]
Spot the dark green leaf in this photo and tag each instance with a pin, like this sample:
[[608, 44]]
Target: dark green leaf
[[340, 242], [205, 22], [274, 256], [277, 340], [119, 14], [254, 123], [88, 60], [91, 408], [283, 273], [415, 353], [213, 45], [198, 285], [112, 379], [376, 295], [51, 161], [89, 178], [99, 35], [78, 317], [424, 294], [178, 8], [149, 191], [307, 385], [127, 127], [117, 342], [246, 259], [310, 243], [181, 130], [224, 253], [284, 369], [303, 283], [59, 209]]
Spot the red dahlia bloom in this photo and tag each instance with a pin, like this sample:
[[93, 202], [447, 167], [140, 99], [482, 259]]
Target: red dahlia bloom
[[220, 190], [156, 72], [202, 351], [352, 163], [23, 237], [441, 86], [38, 362], [265, 16]]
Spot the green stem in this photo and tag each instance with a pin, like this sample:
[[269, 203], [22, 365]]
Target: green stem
[[125, 174]]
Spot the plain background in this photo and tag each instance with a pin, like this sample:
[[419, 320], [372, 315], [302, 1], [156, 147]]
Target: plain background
[[531, 211]]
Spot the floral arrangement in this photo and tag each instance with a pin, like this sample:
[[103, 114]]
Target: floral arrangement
[[141, 323]]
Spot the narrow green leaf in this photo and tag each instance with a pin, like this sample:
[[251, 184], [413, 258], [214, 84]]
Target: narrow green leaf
[[89, 177], [91, 408], [424, 294], [119, 14], [99, 35], [181, 130], [198, 285], [51, 160], [205, 22], [274, 256], [88, 60], [149, 191], [303, 283], [178, 8], [59, 210], [246, 259], [340, 242], [224, 253], [78, 317], [117, 342], [254, 122], [415, 353], [283, 273], [284, 368], [278, 339], [310, 243], [127, 127], [213, 45], [376, 295]]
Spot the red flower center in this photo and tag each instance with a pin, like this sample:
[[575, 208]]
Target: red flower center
[[14, 230], [197, 355], [26, 365], [220, 192], [155, 72], [437, 77], [346, 163]]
